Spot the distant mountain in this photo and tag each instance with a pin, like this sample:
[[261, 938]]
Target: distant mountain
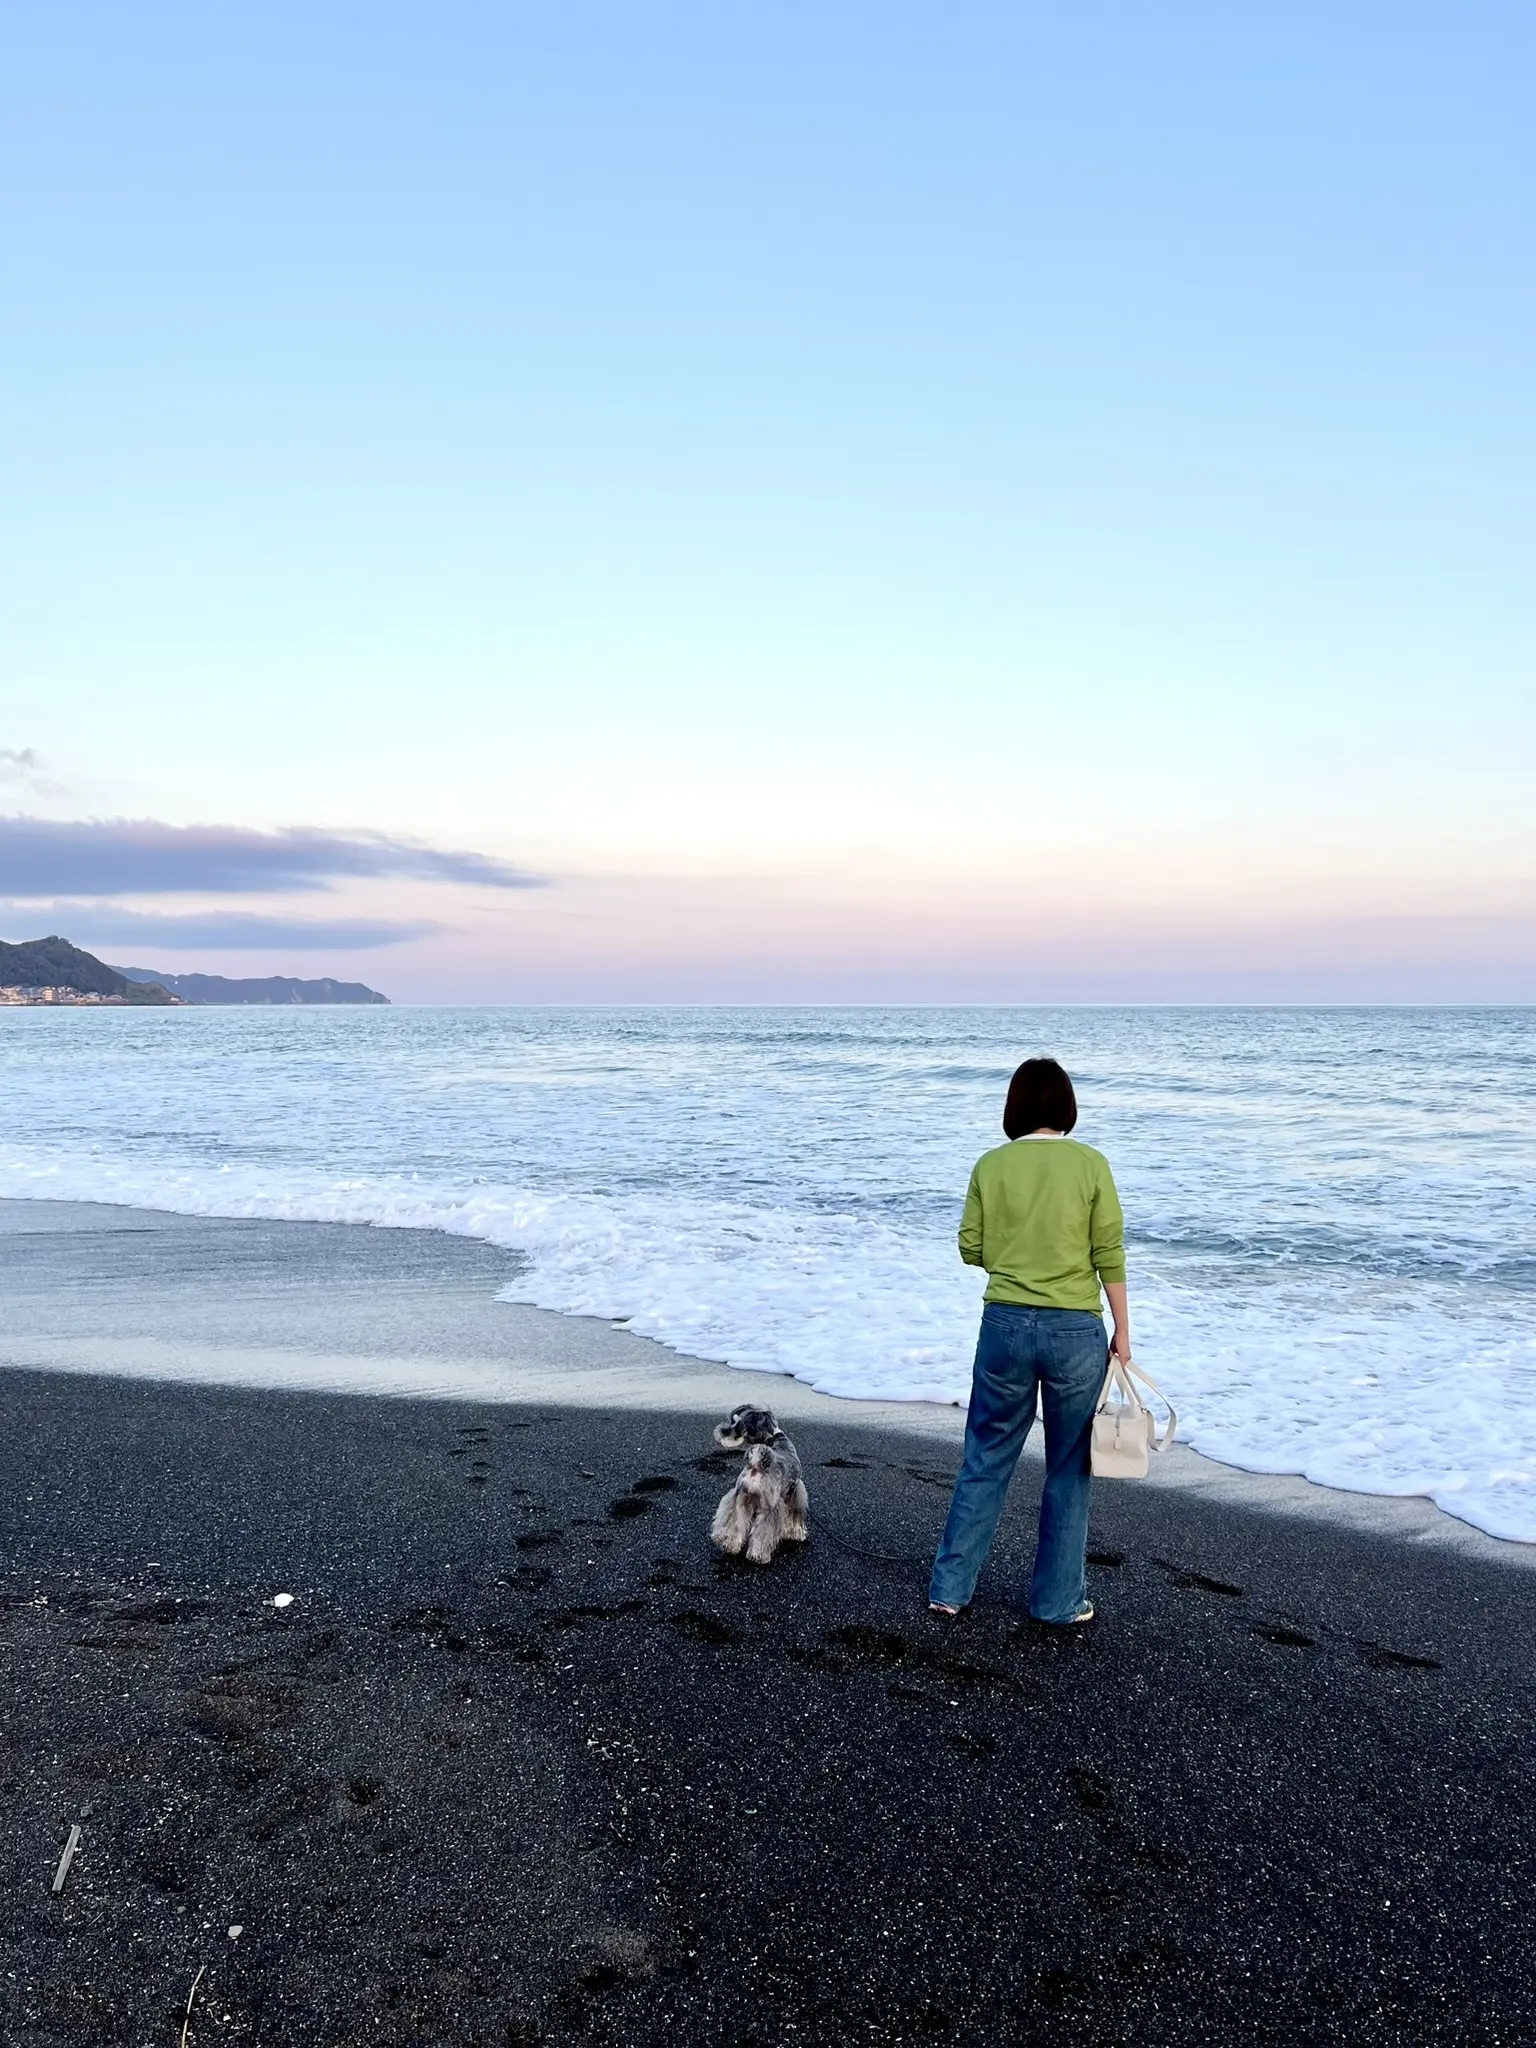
[[52, 970], [53, 964], [275, 988]]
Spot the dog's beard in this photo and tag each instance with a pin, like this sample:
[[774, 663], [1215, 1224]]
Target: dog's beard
[[764, 1479], [765, 1535], [747, 1426]]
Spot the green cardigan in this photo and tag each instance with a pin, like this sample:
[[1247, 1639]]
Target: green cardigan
[[1042, 1216]]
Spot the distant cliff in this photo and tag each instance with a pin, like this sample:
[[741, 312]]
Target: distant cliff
[[274, 988], [53, 971]]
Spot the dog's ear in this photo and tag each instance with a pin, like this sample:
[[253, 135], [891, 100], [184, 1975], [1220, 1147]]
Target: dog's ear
[[730, 1436]]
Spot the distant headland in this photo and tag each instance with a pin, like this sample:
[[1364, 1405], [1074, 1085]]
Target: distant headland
[[271, 988], [52, 971]]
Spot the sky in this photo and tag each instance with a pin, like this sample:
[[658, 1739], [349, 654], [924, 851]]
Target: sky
[[837, 502]]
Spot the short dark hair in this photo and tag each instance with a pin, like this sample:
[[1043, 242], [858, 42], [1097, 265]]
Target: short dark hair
[[1040, 1098]]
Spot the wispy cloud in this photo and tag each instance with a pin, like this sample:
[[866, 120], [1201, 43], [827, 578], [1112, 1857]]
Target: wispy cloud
[[97, 925], [23, 768], [44, 857]]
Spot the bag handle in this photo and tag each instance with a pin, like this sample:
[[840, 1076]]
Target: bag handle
[[1120, 1377]]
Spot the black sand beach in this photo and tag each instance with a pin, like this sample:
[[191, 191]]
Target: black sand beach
[[523, 1762]]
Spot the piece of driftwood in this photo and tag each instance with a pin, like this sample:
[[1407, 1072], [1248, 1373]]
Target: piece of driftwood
[[67, 1858], [190, 1996]]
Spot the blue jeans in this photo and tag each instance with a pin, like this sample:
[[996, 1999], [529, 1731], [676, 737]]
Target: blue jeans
[[1020, 1353]]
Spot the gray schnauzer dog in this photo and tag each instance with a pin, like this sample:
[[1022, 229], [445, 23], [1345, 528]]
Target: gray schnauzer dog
[[768, 1505]]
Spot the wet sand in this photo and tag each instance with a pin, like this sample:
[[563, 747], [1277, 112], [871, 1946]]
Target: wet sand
[[524, 1761]]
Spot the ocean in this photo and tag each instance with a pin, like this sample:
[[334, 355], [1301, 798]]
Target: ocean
[[1331, 1213]]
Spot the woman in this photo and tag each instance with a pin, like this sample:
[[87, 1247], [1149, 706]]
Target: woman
[[1043, 1218]]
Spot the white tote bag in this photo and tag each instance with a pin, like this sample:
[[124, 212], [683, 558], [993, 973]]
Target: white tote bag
[[1124, 1427]]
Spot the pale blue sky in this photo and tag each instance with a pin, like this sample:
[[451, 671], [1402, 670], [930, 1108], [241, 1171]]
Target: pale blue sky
[[862, 499]]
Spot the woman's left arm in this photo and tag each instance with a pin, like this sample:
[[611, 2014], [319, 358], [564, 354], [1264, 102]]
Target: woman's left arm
[[1108, 1234], [1120, 1309], [971, 1225]]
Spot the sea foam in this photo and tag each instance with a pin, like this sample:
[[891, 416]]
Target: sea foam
[[1332, 1271]]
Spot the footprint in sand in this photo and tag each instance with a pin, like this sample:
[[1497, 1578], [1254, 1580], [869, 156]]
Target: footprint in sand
[[972, 1745], [909, 1695], [1380, 1658], [1197, 1582], [1287, 1638], [1090, 1790], [704, 1628]]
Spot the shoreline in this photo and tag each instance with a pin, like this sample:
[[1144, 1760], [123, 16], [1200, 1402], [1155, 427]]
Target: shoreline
[[405, 1312]]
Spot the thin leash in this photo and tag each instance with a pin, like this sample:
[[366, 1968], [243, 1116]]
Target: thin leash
[[856, 1550]]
